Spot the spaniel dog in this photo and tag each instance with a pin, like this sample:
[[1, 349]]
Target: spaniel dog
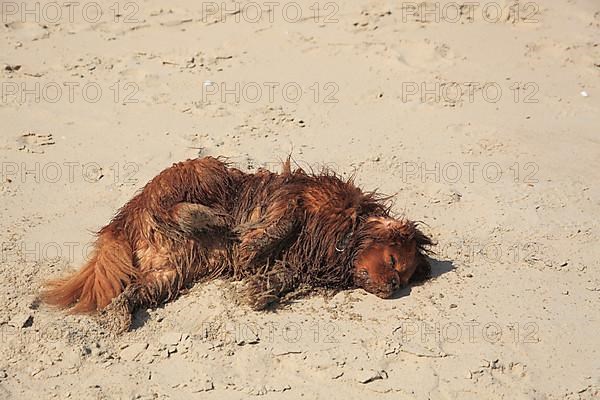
[[201, 219]]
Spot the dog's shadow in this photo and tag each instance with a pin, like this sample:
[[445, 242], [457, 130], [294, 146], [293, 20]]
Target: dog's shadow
[[139, 318], [438, 268]]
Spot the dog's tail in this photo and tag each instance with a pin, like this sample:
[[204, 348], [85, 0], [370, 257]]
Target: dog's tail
[[94, 286]]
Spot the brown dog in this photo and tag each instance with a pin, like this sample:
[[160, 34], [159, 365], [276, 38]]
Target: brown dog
[[201, 219]]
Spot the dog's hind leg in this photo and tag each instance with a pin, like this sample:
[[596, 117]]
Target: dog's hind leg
[[165, 274], [152, 289], [116, 317], [197, 220]]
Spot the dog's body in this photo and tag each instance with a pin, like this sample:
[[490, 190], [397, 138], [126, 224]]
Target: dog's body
[[201, 219]]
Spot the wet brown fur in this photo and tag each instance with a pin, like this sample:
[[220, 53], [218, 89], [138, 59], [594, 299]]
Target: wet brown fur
[[201, 219]]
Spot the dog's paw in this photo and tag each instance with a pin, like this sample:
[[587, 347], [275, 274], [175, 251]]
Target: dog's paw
[[258, 296], [262, 301], [116, 317]]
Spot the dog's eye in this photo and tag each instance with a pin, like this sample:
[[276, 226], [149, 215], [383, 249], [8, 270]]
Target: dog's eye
[[392, 260]]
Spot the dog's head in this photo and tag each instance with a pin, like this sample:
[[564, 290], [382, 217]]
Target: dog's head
[[391, 254]]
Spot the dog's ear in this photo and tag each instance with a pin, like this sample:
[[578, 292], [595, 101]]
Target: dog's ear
[[423, 270], [424, 243], [403, 230], [391, 229]]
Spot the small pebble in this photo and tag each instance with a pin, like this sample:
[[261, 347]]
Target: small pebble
[[370, 376], [21, 320], [12, 68]]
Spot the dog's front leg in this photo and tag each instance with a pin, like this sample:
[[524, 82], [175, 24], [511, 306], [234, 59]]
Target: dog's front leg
[[261, 243], [265, 288]]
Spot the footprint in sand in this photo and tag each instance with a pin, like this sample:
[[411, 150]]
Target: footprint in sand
[[423, 53], [35, 142], [27, 31]]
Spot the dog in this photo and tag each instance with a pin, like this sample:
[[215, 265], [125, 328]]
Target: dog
[[201, 219]]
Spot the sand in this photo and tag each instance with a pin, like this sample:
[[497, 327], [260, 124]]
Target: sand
[[484, 124]]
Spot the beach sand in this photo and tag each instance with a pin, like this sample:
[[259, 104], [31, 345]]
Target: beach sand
[[482, 120]]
